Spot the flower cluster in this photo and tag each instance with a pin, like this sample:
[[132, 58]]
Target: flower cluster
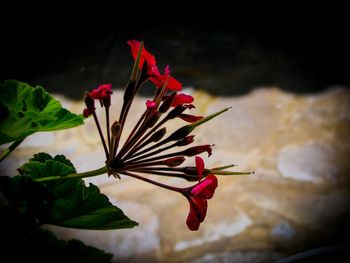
[[142, 152]]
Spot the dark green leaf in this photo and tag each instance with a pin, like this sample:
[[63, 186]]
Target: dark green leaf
[[25, 110], [75, 205], [39, 245]]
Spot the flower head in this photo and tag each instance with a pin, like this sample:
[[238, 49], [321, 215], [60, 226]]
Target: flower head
[[152, 70], [197, 196], [103, 94], [145, 55]]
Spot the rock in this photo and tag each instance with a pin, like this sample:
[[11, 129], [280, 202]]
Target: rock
[[311, 162], [283, 230], [298, 146]]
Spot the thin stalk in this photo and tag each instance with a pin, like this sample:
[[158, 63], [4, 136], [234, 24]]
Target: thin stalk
[[108, 129], [9, 150], [92, 173], [101, 134], [172, 188]]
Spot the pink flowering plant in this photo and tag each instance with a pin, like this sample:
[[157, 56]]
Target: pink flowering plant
[[48, 190]]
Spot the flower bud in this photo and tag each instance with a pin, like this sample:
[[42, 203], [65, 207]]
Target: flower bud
[[198, 150], [153, 118], [167, 103], [185, 141], [180, 133], [116, 129], [175, 161], [176, 112], [158, 135]]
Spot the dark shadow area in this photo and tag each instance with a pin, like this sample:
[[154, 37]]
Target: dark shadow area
[[225, 55]]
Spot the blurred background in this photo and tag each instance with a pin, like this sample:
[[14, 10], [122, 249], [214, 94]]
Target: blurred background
[[286, 74]]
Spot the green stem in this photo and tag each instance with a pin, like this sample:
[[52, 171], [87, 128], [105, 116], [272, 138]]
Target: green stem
[[7, 151], [92, 173]]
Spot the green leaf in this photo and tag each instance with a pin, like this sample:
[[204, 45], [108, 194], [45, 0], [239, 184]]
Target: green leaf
[[75, 205], [25, 110]]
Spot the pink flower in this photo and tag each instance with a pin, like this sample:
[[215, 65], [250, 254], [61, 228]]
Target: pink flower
[[103, 94], [150, 104]]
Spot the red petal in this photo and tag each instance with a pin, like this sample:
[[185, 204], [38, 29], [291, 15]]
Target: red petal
[[190, 118], [197, 213], [200, 167], [192, 221], [145, 55], [173, 84], [167, 70], [206, 188], [182, 99]]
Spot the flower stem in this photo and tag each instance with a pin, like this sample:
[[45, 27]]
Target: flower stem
[[7, 151], [108, 129], [101, 134], [172, 188], [92, 173]]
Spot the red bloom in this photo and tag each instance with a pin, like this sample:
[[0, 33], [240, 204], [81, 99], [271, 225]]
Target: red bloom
[[197, 197], [198, 211], [145, 55], [159, 79], [104, 90], [103, 94], [153, 71], [182, 99]]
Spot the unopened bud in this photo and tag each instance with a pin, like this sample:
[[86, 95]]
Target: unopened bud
[[89, 101], [191, 170], [153, 119], [176, 112], [198, 150], [115, 129], [180, 133], [167, 103], [158, 135], [175, 161], [185, 141]]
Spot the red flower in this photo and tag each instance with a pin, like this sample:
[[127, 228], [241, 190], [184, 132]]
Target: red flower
[[103, 94], [181, 99], [197, 198], [159, 80], [145, 55], [153, 71]]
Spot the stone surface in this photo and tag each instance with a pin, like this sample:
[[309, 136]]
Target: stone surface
[[298, 146]]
